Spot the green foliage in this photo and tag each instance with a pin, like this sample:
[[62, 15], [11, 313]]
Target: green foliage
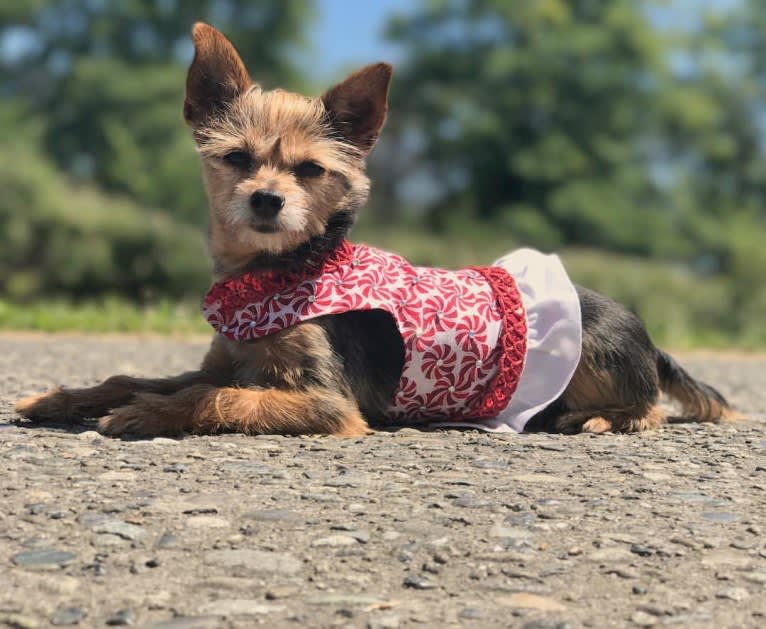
[[107, 80], [128, 134], [679, 308], [566, 121], [57, 238], [539, 106], [142, 33]]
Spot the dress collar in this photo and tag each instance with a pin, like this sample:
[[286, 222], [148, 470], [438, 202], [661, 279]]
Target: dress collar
[[253, 284]]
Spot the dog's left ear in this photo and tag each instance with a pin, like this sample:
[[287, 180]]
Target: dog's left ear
[[357, 106]]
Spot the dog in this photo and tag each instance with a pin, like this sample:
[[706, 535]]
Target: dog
[[285, 178]]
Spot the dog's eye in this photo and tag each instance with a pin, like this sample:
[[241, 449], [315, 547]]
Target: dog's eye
[[308, 169], [238, 159]]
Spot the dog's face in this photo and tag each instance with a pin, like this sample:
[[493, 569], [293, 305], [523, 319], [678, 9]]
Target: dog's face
[[277, 166]]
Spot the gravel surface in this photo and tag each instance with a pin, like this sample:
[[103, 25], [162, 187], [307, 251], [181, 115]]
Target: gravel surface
[[397, 529]]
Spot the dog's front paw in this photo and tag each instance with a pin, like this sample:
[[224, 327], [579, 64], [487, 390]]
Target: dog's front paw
[[129, 420], [597, 425], [145, 417], [51, 406]]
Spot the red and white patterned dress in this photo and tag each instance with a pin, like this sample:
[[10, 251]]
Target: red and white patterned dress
[[465, 332]]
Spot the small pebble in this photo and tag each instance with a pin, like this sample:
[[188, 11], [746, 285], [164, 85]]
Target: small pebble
[[642, 619], [470, 613], [68, 616], [43, 558], [418, 583], [122, 618], [733, 594]]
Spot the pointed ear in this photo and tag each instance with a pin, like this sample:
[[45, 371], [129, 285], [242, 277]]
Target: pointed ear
[[216, 76], [357, 106]]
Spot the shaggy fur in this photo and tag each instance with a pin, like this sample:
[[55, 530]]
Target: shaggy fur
[[285, 176]]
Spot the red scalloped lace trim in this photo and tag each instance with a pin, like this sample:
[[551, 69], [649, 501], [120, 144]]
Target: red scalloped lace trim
[[236, 293], [513, 341]]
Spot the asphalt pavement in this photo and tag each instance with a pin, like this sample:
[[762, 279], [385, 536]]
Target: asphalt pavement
[[398, 529]]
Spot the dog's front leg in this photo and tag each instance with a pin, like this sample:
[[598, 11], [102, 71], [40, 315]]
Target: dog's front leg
[[70, 405], [207, 409]]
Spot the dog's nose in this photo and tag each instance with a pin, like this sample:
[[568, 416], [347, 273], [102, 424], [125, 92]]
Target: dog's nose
[[266, 203]]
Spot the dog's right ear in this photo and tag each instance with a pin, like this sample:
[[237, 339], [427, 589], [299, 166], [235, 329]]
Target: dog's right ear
[[216, 76]]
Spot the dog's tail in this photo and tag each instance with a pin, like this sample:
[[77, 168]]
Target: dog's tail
[[700, 401]]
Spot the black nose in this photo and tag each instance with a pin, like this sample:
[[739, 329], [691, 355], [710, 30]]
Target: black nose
[[266, 203]]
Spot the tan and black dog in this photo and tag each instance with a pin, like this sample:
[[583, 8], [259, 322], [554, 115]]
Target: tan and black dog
[[285, 177]]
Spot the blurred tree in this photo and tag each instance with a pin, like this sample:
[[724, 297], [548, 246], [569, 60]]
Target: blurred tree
[[59, 239], [108, 77], [572, 122]]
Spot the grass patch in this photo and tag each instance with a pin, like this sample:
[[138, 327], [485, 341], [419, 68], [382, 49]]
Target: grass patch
[[108, 315]]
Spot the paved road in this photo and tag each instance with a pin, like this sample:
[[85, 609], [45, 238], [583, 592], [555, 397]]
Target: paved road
[[394, 530]]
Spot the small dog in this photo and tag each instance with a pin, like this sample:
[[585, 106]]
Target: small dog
[[285, 177]]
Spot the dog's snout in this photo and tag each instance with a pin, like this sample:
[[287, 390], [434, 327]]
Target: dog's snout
[[266, 203]]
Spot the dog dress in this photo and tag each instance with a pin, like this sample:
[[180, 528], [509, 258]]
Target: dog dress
[[484, 346]]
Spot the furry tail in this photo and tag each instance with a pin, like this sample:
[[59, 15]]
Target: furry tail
[[700, 401]]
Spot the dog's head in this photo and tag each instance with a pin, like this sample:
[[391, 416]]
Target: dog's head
[[279, 169]]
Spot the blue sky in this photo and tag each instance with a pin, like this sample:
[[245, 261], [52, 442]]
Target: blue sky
[[349, 34]]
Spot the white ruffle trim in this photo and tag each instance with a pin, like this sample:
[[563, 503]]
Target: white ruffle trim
[[554, 338]]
